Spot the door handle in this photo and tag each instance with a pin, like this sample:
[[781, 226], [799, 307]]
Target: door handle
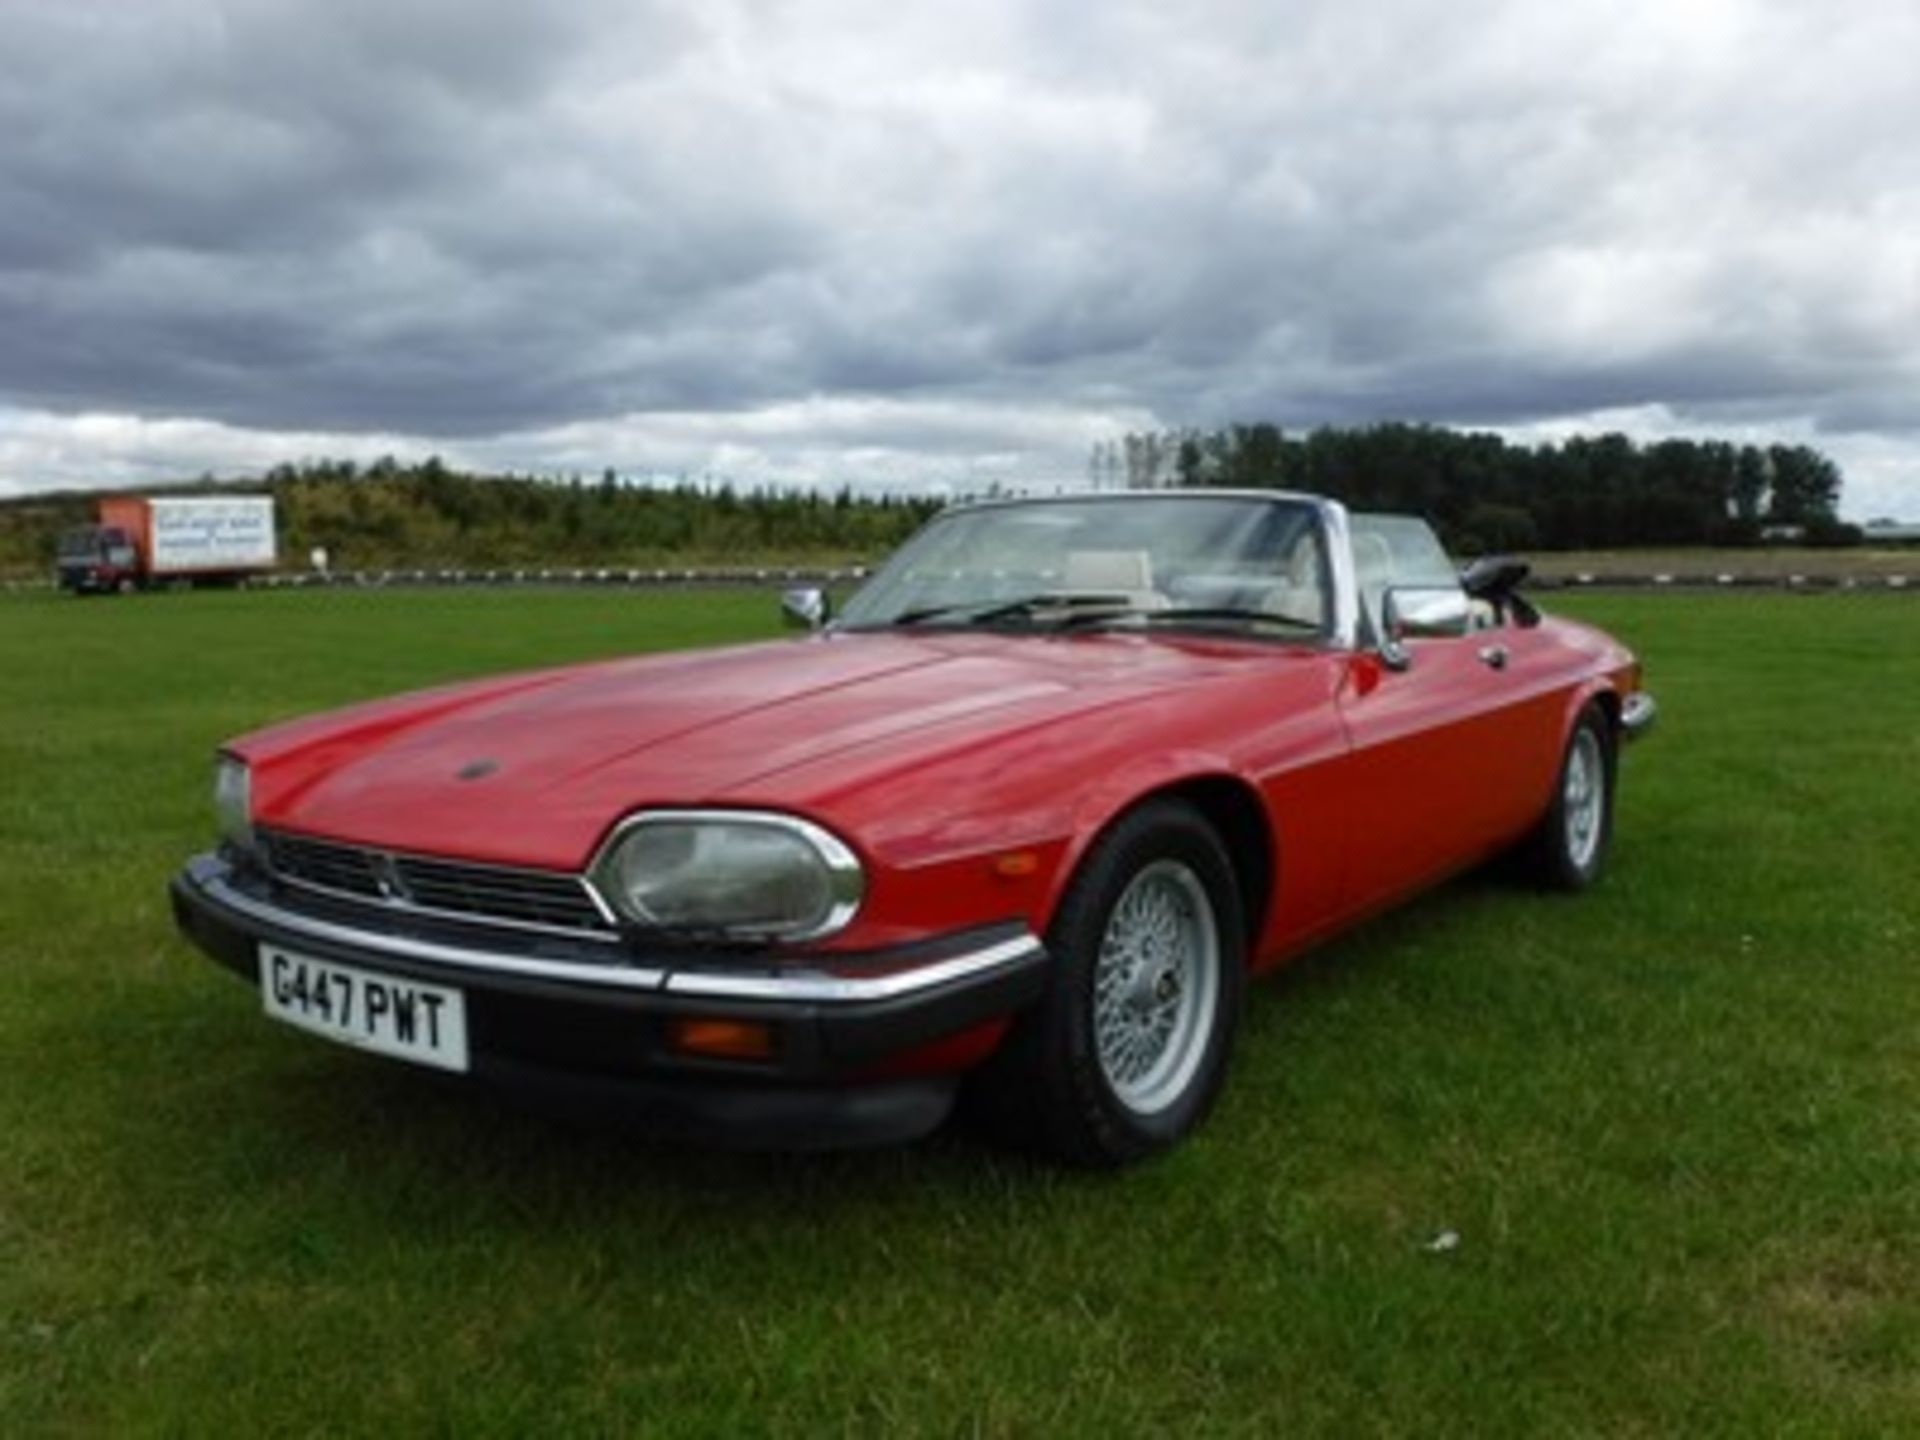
[[1494, 657]]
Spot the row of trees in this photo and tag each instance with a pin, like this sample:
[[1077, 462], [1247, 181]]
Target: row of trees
[[393, 515], [429, 514], [1487, 493]]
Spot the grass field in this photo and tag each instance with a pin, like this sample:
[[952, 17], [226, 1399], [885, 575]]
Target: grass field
[[1675, 1123]]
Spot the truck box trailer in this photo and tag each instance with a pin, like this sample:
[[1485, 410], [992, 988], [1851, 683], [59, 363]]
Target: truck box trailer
[[141, 541]]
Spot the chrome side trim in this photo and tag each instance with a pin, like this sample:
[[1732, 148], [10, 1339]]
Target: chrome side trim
[[1637, 714], [820, 987], [809, 986]]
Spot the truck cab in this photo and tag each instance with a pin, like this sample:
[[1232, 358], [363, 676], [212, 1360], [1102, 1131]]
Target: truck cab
[[95, 559]]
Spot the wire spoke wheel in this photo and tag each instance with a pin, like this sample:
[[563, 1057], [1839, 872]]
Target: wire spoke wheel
[[1126, 1051], [1156, 986], [1583, 798], [1568, 848]]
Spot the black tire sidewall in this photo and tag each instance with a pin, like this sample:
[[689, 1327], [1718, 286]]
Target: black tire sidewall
[[1562, 870], [1158, 830]]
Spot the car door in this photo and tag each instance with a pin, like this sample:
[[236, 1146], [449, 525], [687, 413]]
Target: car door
[[1424, 766], [1432, 745]]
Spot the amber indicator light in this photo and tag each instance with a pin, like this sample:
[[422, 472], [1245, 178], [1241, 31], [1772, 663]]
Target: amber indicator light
[[722, 1039], [1015, 864]]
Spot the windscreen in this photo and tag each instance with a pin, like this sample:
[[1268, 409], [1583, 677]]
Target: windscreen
[[1169, 553], [82, 544]]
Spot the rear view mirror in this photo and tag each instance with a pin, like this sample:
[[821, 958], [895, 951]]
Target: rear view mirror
[[806, 608], [1421, 612]]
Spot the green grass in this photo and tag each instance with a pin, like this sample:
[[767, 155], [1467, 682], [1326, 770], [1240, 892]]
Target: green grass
[[1675, 1122]]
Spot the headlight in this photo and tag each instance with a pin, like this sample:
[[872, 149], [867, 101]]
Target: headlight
[[233, 801], [740, 873]]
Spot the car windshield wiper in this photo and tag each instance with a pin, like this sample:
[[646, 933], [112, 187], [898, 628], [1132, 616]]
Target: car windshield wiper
[[1191, 614], [1078, 604]]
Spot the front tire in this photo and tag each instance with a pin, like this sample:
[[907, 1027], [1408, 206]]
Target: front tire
[[1126, 1052], [1568, 850]]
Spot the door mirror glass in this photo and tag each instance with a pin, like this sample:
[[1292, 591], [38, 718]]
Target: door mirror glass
[[806, 608], [1421, 612], [1416, 612]]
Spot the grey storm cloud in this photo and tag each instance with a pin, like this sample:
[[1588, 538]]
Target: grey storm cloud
[[527, 230]]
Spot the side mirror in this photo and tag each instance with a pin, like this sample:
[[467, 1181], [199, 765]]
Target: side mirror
[[806, 608], [1420, 612]]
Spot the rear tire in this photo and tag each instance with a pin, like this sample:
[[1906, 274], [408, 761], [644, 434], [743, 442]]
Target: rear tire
[[1568, 850], [1125, 1053]]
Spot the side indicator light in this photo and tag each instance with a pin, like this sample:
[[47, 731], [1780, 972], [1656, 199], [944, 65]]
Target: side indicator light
[[722, 1039], [1016, 864]]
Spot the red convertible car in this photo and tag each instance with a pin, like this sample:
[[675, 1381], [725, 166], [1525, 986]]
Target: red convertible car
[[1019, 822]]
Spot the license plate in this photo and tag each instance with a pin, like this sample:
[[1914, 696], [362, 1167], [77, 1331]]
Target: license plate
[[406, 1019]]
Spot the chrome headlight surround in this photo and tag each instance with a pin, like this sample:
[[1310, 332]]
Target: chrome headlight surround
[[721, 871], [233, 800]]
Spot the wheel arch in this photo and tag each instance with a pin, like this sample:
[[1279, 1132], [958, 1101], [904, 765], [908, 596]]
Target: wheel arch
[[1228, 803], [1608, 699], [1595, 691], [1598, 692]]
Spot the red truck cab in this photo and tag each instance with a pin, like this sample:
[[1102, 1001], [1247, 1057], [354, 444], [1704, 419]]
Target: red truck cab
[[95, 559]]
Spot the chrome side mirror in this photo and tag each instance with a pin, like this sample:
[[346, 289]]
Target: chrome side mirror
[[1420, 612], [806, 608]]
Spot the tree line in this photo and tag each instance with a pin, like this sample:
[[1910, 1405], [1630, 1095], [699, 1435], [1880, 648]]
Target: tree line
[[1486, 493], [389, 514], [428, 513]]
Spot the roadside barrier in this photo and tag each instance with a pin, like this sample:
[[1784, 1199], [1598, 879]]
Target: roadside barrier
[[1719, 581], [565, 575], [789, 575]]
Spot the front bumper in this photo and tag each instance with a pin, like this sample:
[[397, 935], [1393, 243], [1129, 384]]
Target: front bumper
[[82, 580], [590, 1023]]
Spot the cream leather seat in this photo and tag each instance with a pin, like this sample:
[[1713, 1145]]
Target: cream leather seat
[[1124, 573], [1299, 595]]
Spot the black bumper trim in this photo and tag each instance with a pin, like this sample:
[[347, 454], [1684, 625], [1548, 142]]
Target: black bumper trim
[[797, 1118]]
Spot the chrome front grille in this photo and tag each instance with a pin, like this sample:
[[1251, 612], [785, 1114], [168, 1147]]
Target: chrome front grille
[[344, 868], [543, 899]]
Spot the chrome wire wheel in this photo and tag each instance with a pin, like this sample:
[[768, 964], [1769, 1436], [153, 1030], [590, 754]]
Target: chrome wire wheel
[[1156, 986], [1583, 798]]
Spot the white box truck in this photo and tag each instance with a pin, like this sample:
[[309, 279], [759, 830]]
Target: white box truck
[[141, 541]]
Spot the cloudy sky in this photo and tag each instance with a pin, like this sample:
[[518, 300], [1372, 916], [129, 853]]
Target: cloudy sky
[[905, 244]]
